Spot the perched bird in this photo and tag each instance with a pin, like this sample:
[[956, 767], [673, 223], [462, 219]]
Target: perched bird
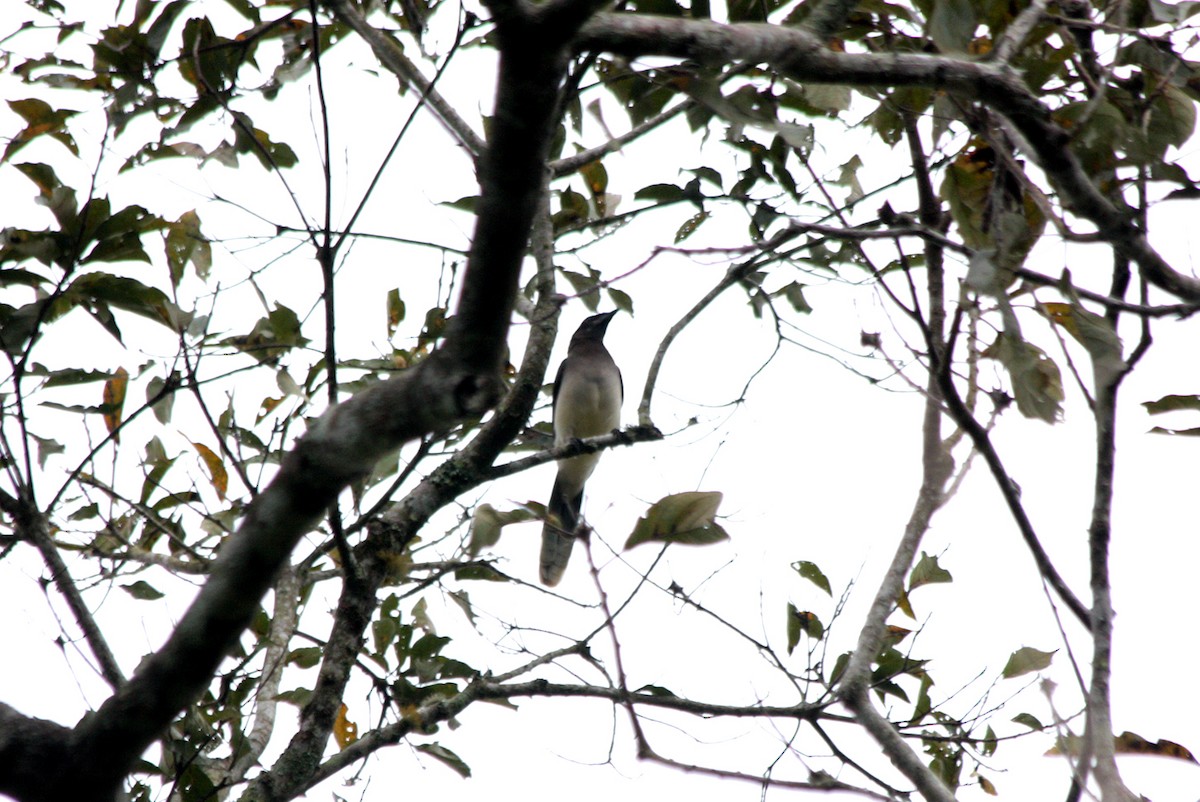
[[588, 392]]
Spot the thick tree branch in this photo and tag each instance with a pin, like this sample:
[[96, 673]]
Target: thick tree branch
[[299, 765], [30, 749], [343, 445], [802, 55]]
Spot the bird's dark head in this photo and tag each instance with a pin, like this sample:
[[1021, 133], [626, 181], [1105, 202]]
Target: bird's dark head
[[594, 327]]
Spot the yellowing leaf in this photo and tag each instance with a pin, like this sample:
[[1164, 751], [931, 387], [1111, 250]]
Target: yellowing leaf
[[395, 311], [216, 469], [1095, 333], [345, 731], [802, 621], [114, 400], [597, 183]]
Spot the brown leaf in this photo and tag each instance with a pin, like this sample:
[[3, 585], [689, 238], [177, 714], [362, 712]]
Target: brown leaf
[[114, 400], [345, 731], [216, 469], [1132, 743]]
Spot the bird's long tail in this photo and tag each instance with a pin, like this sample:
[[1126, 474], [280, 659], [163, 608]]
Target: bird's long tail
[[558, 533]]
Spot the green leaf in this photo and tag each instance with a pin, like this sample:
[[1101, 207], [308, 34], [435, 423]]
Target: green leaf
[[573, 210], [446, 756], [1171, 403], [306, 657], [802, 621], [839, 668], [1095, 333], [586, 286], [661, 193], [620, 299], [794, 293], [479, 571], [793, 627], [46, 448], [467, 203], [923, 704], [1029, 721], [298, 697], [681, 518], [130, 295], [60, 199], [162, 408], [1025, 660], [1173, 13], [487, 523], [395, 311], [952, 25], [657, 690], [990, 743], [463, 600], [185, 244], [927, 572], [1036, 380], [812, 573], [142, 590], [1193, 432], [420, 618], [72, 376], [41, 119], [690, 225]]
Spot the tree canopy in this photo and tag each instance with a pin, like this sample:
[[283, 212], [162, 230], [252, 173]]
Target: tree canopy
[[276, 328]]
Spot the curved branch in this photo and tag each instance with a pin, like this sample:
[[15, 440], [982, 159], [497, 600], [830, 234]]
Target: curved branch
[[802, 55]]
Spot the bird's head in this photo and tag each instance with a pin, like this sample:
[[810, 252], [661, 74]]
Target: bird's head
[[594, 327]]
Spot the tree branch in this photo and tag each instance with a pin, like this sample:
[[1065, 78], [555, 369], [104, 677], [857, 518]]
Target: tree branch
[[1099, 707], [392, 57], [802, 55]]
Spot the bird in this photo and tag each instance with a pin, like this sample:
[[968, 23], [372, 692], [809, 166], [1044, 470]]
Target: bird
[[588, 392]]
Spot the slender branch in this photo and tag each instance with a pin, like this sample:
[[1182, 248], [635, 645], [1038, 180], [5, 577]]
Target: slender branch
[[392, 57], [936, 468], [300, 761], [1099, 705], [732, 276], [573, 448], [37, 531], [569, 164], [284, 620]]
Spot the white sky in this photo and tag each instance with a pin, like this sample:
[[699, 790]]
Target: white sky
[[816, 465]]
